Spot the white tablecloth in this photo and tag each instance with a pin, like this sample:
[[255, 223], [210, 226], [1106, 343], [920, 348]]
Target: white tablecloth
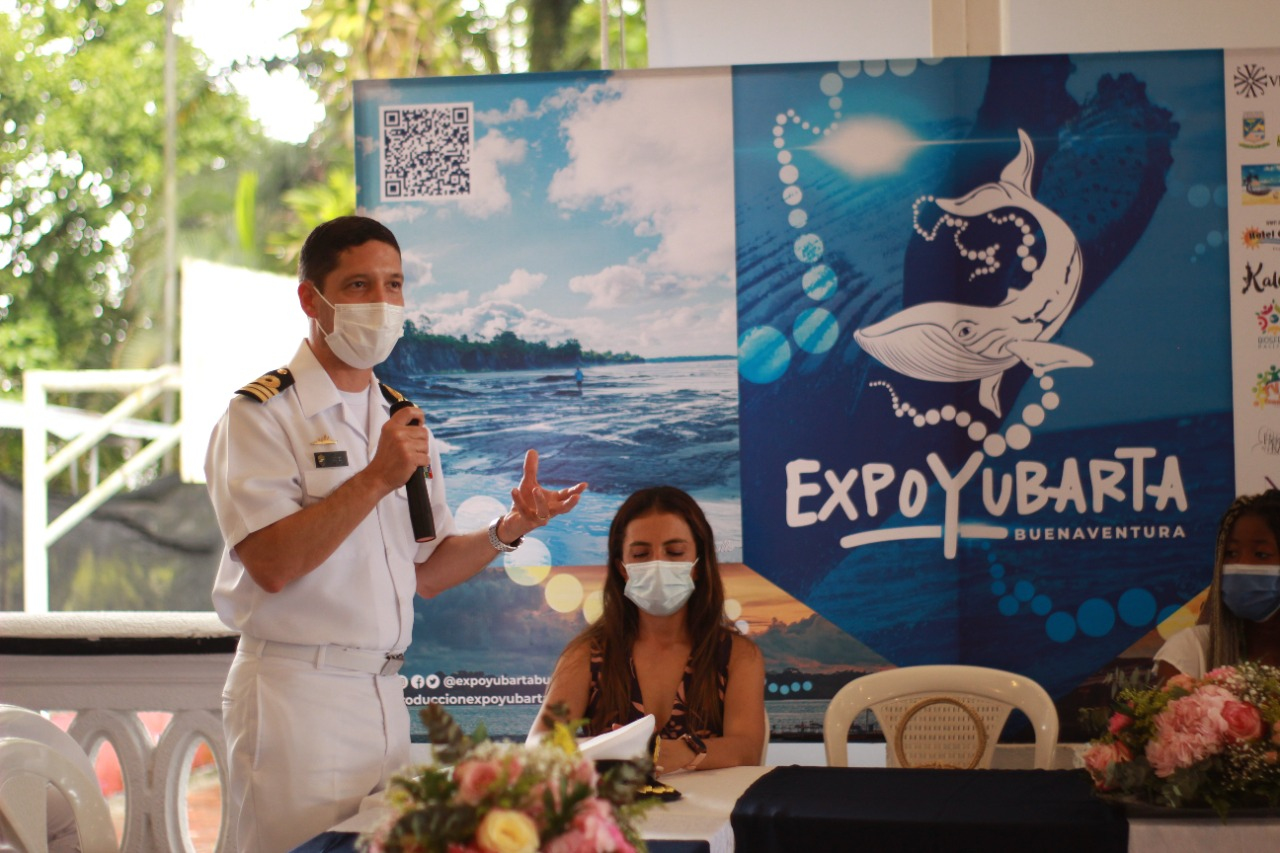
[[702, 812], [1208, 834]]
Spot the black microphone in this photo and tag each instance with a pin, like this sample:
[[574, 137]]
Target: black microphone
[[420, 515]]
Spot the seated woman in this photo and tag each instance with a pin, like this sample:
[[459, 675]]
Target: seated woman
[[662, 644], [1240, 619]]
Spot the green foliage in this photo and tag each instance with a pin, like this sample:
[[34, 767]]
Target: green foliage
[[311, 205], [419, 350], [227, 211], [451, 743], [81, 142], [246, 202], [124, 582], [581, 47]]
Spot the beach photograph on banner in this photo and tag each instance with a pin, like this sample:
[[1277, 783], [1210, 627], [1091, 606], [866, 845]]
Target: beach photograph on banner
[[568, 245]]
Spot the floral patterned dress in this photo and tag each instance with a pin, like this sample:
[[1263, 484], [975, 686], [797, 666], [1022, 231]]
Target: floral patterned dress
[[677, 722]]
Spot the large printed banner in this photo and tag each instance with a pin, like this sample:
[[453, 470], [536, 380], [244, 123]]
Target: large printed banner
[[1252, 81], [943, 348]]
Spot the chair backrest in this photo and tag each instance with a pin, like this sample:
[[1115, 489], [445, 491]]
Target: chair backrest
[[940, 715], [26, 773], [16, 721], [27, 769]]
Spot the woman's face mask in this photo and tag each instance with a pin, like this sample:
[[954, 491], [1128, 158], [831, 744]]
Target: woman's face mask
[[659, 587], [364, 333], [1251, 592]]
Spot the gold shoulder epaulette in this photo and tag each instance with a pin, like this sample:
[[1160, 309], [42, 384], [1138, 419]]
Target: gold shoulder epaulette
[[392, 395], [268, 385]]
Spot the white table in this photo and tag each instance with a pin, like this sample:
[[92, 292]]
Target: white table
[[1166, 835], [702, 812]]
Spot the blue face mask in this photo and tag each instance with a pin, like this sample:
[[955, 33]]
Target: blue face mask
[[1251, 592]]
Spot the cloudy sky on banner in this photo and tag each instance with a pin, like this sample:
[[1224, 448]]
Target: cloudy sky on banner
[[629, 178]]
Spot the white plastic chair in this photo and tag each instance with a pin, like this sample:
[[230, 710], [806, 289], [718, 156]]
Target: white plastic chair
[[16, 721], [940, 715], [34, 754]]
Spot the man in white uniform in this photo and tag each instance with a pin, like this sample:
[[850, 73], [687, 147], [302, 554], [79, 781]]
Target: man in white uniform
[[307, 473]]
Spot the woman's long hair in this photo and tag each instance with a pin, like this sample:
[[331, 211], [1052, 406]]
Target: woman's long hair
[[614, 633], [1226, 630]]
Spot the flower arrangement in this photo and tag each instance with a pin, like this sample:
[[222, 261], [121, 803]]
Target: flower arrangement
[[1212, 741], [483, 796]]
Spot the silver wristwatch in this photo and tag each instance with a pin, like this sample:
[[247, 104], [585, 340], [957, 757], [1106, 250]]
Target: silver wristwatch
[[498, 544]]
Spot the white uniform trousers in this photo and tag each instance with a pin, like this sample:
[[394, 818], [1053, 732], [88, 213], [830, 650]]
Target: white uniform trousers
[[305, 745]]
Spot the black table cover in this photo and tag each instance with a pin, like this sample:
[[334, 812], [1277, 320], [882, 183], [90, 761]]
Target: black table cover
[[839, 808]]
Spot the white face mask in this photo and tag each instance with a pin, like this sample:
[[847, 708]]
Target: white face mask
[[659, 587], [364, 333]]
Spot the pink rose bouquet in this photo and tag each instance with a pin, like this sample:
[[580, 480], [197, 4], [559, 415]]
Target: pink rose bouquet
[[482, 796], [1195, 742]]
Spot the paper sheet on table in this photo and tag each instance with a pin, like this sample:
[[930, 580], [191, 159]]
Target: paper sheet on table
[[622, 744]]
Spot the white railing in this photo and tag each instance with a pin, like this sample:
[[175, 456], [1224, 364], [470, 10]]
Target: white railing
[[38, 468], [107, 692]]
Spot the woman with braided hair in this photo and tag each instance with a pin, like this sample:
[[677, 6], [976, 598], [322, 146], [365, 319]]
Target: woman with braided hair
[[1240, 620]]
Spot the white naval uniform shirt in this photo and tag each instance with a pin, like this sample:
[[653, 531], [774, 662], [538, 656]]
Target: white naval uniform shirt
[[262, 466]]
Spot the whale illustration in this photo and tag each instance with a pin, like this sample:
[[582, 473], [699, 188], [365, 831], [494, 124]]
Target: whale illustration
[[953, 342]]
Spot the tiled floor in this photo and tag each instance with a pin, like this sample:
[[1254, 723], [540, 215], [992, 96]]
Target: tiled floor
[[204, 809]]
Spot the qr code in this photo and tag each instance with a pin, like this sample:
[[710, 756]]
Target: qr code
[[426, 151]]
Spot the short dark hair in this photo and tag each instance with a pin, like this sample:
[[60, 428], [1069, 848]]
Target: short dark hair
[[319, 255]]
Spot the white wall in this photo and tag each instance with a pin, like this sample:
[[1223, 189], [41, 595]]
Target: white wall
[[237, 324], [1054, 26], [684, 33]]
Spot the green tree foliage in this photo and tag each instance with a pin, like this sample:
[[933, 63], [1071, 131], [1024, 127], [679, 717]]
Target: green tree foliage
[[227, 211], [81, 151], [564, 35], [342, 42], [311, 204], [421, 351]]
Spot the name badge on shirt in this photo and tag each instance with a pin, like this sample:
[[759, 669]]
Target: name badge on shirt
[[331, 459]]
